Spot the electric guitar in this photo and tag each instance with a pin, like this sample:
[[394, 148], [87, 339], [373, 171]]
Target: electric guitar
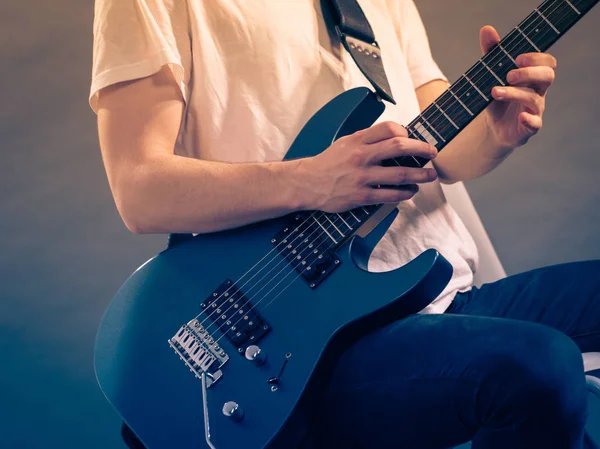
[[226, 340]]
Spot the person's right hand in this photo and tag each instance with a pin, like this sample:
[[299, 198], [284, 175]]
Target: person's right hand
[[348, 174]]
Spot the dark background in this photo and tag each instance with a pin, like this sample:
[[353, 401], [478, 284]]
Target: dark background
[[64, 251]]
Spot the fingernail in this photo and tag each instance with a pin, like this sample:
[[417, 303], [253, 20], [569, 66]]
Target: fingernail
[[500, 93]]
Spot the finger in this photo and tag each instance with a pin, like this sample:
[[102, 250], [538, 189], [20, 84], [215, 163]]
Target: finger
[[532, 122], [382, 131], [533, 102], [539, 78], [386, 195], [488, 37], [400, 146], [536, 59], [398, 176]]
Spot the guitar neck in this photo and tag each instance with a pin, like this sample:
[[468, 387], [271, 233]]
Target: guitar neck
[[458, 106], [472, 93]]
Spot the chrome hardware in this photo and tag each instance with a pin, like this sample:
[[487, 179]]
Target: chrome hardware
[[232, 410], [205, 408], [255, 355], [199, 351]]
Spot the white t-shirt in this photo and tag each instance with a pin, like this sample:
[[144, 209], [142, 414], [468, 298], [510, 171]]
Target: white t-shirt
[[252, 72]]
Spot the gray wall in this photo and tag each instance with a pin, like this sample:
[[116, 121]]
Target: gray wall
[[64, 251]]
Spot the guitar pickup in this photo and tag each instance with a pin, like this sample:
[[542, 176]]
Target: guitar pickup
[[304, 244]]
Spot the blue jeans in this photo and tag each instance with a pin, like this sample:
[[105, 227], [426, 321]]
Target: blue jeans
[[502, 367]]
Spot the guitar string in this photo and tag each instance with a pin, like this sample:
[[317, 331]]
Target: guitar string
[[281, 259], [255, 305], [508, 41], [482, 70], [246, 296], [475, 78]]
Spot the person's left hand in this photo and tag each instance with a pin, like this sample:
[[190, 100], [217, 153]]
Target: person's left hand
[[517, 114]]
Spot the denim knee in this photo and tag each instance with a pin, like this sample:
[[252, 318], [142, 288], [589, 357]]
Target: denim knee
[[536, 380]]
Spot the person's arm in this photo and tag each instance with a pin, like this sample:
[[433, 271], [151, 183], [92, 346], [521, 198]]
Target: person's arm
[[157, 191], [506, 124]]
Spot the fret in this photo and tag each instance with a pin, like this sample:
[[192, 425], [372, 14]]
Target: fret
[[333, 224], [547, 21], [477, 72], [464, 90], [446, 116], [461, 103], [345, 222], [573, 6], [584, 5], [324, 230], [454, 107], [440, 122], [539, 31], [506, 53], [561, 14], [528, 40], [492, 72], [500, 62], [431, 128], [354, 216]]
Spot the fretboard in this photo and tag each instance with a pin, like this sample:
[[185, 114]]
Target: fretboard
[[452, 111]]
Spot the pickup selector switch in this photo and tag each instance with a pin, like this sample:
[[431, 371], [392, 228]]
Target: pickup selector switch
[[255, 355]]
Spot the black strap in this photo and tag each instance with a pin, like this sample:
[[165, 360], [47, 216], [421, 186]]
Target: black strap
[[348, 20]]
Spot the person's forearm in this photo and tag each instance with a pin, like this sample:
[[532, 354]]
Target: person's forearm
[[177, 194], [473, 153]]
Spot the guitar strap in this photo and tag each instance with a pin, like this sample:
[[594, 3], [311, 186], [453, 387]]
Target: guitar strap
[[348, 21], [350, 24]]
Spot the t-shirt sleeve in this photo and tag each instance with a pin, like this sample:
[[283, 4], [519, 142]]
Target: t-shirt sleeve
[[413, 39], [135, 39]]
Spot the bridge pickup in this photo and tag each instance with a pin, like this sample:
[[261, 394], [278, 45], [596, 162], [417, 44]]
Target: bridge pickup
[[234, 316], [307, 247]]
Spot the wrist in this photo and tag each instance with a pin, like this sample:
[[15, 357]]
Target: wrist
[[296, 185], [498, 146]]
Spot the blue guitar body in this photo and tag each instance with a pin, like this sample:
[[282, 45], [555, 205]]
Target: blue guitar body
[[143, 355]]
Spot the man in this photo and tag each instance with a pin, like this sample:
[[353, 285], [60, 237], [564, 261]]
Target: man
[[197, 103]]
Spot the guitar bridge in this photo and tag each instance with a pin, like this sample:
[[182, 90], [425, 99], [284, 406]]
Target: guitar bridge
[[199, 351]]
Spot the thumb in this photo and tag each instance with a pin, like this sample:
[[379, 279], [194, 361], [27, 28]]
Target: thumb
[[488, 37]]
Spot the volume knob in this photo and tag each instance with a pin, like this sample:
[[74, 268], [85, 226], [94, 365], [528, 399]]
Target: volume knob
[[255, 355], [232, 410]]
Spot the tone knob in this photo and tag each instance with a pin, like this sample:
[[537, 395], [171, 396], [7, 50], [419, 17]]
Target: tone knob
[[232, 410], [256, 355]]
